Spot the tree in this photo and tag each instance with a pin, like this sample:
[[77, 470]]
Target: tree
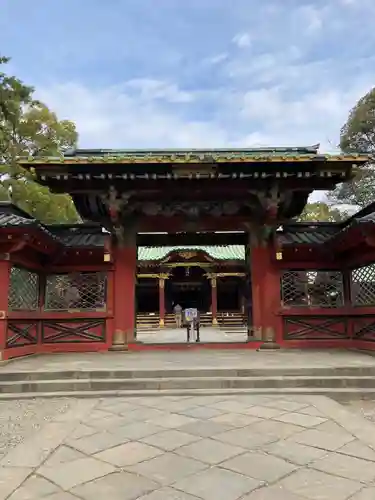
[[358, 136], [321, 212], [28, 127]]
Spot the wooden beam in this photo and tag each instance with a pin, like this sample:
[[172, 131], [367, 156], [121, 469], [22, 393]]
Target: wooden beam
[[188, 239]]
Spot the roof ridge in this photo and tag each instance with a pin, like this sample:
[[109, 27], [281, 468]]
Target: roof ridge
[[259, 149]]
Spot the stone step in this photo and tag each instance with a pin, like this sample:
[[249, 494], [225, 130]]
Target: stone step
[[189, 373], [342, 394], [186, 383]]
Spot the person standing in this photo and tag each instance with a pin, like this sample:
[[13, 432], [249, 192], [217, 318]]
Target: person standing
[[178, 315]]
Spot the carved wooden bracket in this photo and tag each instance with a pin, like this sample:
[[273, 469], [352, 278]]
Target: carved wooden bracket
[[116, 204], [260, 234]]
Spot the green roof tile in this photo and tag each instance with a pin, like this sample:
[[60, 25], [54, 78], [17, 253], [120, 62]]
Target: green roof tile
[[227, 252]]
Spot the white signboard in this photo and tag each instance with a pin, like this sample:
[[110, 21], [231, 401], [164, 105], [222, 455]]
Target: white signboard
[[191, 314]]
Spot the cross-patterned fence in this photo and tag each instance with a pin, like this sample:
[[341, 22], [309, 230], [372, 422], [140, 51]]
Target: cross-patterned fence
[[76, 291], [347, 314], [36, 303], [362, 286], [312, 288], [23, 292]]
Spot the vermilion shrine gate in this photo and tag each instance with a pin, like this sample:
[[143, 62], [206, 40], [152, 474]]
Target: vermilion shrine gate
[[213, 227]]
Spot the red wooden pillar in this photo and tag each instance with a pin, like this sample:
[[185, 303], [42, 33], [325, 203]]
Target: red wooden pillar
[[124, 294], [265, 278], [161, 302], [5, 267], [214, 300]]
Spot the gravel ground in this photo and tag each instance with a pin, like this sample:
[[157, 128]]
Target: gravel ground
[[19, 419]]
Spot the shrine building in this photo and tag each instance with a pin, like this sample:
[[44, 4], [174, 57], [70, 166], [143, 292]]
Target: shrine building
[[209, 229]]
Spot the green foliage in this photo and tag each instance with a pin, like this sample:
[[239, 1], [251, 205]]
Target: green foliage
[[28, 127], [321, 212], [358, 136]]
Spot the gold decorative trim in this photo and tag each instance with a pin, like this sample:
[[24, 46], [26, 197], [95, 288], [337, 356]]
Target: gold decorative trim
[[163, 276], [188, 264], [224, 275], [187, 255], [196, 158]]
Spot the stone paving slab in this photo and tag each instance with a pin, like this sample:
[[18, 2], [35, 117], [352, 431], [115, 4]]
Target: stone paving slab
[[178, 335], [202, 448], [162, 360]]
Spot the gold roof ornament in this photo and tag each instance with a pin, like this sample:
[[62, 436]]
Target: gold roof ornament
[[187, 255]]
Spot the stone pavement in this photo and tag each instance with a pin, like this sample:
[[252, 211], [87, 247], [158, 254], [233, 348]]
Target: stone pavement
[[164, 360], [191, 448], [178, 335]]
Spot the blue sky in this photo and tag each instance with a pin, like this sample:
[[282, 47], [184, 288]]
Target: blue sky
[[195, 73]]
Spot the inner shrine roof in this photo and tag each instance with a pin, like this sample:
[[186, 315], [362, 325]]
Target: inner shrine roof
[[225, 252]]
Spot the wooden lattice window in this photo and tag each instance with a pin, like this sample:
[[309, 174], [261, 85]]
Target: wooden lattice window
[[23, 290], [312, 288], [76, 291], [363, 286]]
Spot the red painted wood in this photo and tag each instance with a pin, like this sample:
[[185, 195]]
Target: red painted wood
[[214, 301], [178, 224], [80, 267], [319, 344], [56, 315], [265, 278], [110, 307], [82, 331], [363, 344], [22, 333], [76, 347], [313, 328], [360, 259], [363, 327], [161, 300], [124, 286], [256, 272], [4, 291], [18, 352], [325, 311]]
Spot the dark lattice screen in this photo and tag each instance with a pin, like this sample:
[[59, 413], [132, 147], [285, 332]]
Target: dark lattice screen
[[23, 290], [312, 288], [363, 286], [81, 291]]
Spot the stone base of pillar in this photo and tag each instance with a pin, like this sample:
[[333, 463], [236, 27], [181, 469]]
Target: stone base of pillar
[[119, 341], [215, 322], [269, 342], [269, 346]]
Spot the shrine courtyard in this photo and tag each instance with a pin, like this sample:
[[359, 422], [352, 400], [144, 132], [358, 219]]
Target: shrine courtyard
[[213, 446], [187, 448]]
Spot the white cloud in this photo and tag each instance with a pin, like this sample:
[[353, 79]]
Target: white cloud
[[217, 59], [242, 40], [311, 18], [147, 113], [114, 118], [284, 87], [150, 89]]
